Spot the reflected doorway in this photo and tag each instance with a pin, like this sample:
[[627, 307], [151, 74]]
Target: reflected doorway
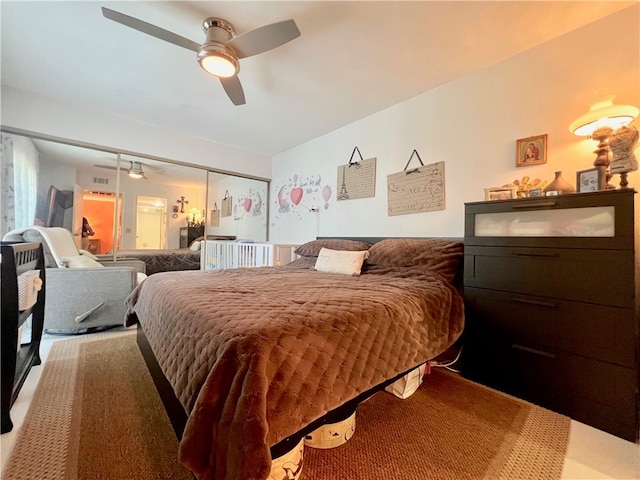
[[151, 222], [99, 210]]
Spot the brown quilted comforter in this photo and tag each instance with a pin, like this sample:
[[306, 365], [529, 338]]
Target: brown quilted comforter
[[165, 260], [254, 355]]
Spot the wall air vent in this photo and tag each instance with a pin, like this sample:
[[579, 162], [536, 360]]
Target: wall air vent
[[101, 180]]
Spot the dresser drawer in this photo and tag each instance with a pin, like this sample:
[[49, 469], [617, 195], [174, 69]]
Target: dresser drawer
[[590, 391], [597, 331], [592, 276]]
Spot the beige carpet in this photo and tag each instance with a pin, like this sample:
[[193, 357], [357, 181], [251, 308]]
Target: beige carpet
[[96, 415]]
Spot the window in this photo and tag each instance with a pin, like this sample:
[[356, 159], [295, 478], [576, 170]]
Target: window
[[19, 182]]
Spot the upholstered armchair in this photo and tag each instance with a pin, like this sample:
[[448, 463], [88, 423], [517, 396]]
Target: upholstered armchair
[[82, 294]]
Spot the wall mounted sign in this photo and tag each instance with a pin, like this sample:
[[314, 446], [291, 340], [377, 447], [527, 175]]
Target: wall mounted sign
[[357, 179], [418, 190], [214, 219], [226, 204]]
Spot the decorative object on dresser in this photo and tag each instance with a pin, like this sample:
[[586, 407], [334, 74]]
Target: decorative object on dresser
[[500, 193], [531, 151], [20, 260], [599, 123], [559, 185], [551, 298], [622, 143], [590, 180]]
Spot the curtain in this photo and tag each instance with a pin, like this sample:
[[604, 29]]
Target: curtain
[[19, 163]]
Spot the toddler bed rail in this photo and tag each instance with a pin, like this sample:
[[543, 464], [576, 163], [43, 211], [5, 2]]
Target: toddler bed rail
[[219, 254]]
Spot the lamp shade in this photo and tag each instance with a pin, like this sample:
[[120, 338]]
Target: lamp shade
[[603, 113]]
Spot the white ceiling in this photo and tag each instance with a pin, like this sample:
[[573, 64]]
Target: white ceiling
[[352, 59]]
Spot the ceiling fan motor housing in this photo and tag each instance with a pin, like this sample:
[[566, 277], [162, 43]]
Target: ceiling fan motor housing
[[218, 32]]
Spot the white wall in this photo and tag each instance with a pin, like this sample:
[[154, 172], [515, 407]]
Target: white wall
[[38, 114], [248, 219], [471, 124]]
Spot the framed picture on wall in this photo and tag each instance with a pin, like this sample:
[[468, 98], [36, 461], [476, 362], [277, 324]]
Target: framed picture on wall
[[531, 151]]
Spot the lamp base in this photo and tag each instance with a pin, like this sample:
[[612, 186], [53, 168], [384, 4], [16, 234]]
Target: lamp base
[[603, 153]]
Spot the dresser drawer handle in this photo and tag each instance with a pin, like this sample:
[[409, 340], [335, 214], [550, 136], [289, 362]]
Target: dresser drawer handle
[[529, 301], [548, 203], [535, 351], [536, 254]]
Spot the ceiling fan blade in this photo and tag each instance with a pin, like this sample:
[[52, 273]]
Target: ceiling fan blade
[[108, 167], [265, 38], [233, 87], [149, 29]]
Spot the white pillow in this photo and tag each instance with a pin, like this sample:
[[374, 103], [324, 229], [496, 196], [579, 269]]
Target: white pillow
[[340, 261], [195, 246], [79, 261]]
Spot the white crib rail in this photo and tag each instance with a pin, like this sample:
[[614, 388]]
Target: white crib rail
[[219, 254]]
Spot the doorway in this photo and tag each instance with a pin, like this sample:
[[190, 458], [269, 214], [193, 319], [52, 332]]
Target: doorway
[[151, 222], [99, 210]]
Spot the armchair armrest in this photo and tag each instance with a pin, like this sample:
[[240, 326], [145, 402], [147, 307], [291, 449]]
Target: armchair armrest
[[138, 265]]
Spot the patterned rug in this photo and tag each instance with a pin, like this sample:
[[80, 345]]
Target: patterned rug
[[96, 415]]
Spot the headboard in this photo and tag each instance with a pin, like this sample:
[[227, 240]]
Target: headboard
[[458, 281]]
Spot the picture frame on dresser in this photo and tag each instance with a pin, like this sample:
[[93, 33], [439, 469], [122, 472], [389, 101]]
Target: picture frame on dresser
[[500, 193], [590, 180]]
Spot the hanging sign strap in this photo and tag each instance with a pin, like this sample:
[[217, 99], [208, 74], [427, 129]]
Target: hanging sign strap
[[414, 170], [226, 194], [215, 205], [351, 162]]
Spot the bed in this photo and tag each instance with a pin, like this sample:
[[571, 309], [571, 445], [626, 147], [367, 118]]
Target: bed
[[169, 260], [257, 357], [164, 260]]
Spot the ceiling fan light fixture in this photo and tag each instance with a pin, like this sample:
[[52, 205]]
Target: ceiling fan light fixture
[[218, 61], [135, 171]]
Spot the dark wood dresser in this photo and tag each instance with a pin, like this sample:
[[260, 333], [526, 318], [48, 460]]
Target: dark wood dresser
[[189, 234], [552, 290]]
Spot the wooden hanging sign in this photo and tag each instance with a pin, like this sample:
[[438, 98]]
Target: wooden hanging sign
[[357, 179], [417, 190]]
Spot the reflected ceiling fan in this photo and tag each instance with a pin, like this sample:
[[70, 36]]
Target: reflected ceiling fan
[[222, 50], [135, 170]]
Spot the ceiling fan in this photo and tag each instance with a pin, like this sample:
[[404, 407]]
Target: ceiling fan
[[135, 169], [222, 50]]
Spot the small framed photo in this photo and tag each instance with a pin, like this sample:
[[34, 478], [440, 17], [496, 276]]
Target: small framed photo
[[500, 193], [535, 192], [590, 180], [531, 151]]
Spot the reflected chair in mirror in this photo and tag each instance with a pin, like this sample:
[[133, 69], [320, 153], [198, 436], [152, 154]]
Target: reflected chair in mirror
[[83, 294]]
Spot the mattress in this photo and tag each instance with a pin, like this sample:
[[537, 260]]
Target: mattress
[[256, 354]]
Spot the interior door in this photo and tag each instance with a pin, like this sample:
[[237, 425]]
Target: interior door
[[151, 222], [78, 207]]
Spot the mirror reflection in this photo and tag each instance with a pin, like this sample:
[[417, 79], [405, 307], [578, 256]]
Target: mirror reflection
[[116, 204]]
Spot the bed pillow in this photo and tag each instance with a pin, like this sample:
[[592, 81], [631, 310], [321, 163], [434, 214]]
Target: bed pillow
[[439, 255], [195, 245], [79, 261], [312, 248], [340, 261]]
